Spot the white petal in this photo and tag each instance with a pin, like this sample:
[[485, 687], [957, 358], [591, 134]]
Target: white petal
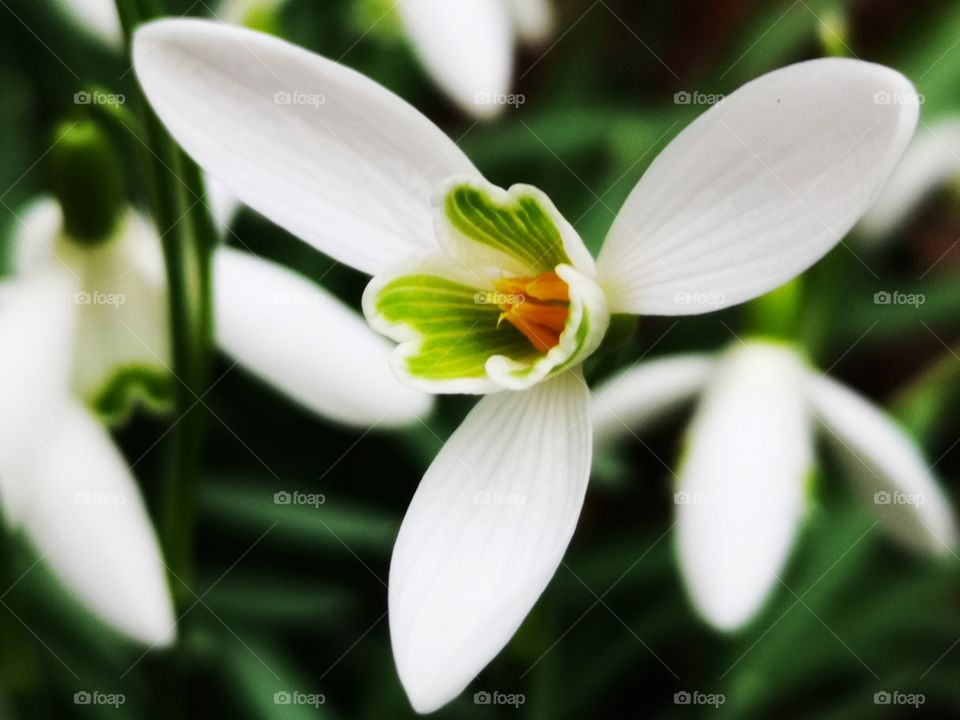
[[98, 17], [37, 318], [38, 233], [122, 328], [484, 534], [932, 158], [309, 345], [223, 204], [319, 149], [890, 472], [758, 188], [87, 520], [629, 402], [742, 482], [533, 20], [466, 46]]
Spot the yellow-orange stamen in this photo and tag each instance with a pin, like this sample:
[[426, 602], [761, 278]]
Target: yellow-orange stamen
[[536, 306]]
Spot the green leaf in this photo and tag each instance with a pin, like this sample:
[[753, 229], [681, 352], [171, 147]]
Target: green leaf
[[331, 525]]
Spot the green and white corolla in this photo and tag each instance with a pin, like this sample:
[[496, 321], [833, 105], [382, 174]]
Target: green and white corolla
[[741, 488], [492, 292]]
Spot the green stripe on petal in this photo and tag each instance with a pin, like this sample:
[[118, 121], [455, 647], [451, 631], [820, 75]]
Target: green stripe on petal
[[132, 386], [447, 333], [518, 224]]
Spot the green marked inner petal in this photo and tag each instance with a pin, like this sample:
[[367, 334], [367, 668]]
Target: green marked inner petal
[[452, 329], [517, 224]]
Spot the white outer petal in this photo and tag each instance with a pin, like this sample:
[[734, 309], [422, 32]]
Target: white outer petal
[[97, 17], [932, 158], [351, 175], [533, 20], [629, 402], [38, 233], [37, 327], [133, 330], [222, 203], [750, 452], [465, 572], [758, 188], [307, 344], [884, 460], [105, 553], [467, 47], [120, 293]]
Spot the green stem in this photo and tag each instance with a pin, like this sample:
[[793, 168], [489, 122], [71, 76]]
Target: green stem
[[188, 237]]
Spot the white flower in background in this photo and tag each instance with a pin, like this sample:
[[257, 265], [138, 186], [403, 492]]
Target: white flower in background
[[468, 47], [492, 291], [931, 159], [86, 335], [67, 320], [742, 484], [97, 17]]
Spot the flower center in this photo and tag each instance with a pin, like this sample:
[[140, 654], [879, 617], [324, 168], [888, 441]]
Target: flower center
[[536, 306]]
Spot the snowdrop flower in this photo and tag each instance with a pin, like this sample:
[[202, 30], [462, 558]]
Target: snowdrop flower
[[468, 47], [741, 490], [491, 291], [85, 326], [931, 159], [80, 325]]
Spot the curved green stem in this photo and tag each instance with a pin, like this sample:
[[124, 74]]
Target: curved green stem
[[188, 237]]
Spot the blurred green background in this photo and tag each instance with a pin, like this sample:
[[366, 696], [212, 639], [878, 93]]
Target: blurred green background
[[293, 597]]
